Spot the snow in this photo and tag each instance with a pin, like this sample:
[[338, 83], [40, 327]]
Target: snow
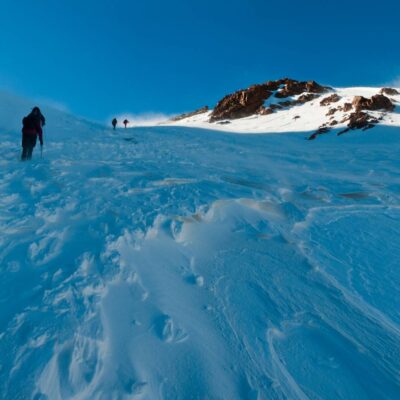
[[179, 263], [312, 115]]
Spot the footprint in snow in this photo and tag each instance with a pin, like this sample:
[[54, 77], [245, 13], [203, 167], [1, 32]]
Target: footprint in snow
[[195, 280], [168, 331]]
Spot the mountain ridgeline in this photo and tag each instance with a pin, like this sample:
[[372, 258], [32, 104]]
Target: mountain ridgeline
[[345, 113]]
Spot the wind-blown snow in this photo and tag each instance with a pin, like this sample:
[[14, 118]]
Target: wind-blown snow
[[311, 116], [175, 263]]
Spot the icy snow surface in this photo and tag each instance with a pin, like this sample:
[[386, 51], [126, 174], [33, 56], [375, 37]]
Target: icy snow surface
[[176, 263]]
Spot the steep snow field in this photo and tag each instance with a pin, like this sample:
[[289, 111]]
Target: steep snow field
[[311, 114], [176, 263]]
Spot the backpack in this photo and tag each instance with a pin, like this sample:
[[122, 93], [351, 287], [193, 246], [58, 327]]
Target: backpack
[[29, 123]]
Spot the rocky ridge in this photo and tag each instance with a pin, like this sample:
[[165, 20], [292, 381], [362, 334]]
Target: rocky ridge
[[308, 104], [246, 102]]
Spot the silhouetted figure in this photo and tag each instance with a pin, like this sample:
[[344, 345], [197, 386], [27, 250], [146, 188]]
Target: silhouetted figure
[[126, 122], [31, 128], [114, 123]]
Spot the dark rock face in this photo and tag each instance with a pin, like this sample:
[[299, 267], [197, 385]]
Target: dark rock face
[[376, 102], [320, 131], [389, 91], [241, 104], [333, 98], [293, 88], [247, 102], [191, 114], [331, 111], [360, 120], [347, 107], [305, 98]]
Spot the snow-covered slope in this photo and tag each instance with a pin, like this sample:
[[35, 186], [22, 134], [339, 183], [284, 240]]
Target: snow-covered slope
[[61, 125], [177, 263], [307, 117]]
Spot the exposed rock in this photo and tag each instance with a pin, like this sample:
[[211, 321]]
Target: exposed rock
[[265, 110], [333, 98], [287, 103], [191, 114], [293, 88], [321, 130], [376, 102], [296, 117], [331, 111], [389, 91], [347, 107], [242, 103], [360, 120], [333, 123], [246, 102], [275, 107], [304, 98]]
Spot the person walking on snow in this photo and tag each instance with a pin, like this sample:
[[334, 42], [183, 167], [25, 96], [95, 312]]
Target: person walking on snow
[[114, 123], [126, 122], [31, 128]]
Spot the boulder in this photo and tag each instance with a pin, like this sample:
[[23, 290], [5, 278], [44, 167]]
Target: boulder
[[376, 102], [333, 98], [304, 98], [347, 107], [331, 111], [389, 91]]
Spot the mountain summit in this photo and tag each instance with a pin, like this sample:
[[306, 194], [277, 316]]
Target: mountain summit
[[288, 105]]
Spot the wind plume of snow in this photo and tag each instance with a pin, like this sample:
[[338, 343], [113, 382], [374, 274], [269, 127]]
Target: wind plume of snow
[[144, 119]]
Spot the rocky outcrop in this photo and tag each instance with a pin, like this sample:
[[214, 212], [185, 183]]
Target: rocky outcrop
[[293, 88], [191, 114], [247, 102], [305, 98], [265, 110], [375, 103], [320, 131], [333, 98], [389, 91], [347, 107], [242, 103], [360, 120]]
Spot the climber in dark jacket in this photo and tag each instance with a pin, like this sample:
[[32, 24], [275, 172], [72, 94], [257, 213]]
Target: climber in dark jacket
[[114, 123], [31, 130]]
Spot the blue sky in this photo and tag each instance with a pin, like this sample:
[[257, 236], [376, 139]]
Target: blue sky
[[106, 57]]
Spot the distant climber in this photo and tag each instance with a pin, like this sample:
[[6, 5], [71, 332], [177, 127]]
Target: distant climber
[[31, 128], [126, 122], [114, 123]]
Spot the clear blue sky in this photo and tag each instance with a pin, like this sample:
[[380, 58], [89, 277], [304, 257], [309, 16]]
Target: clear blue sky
[[104, 57]]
